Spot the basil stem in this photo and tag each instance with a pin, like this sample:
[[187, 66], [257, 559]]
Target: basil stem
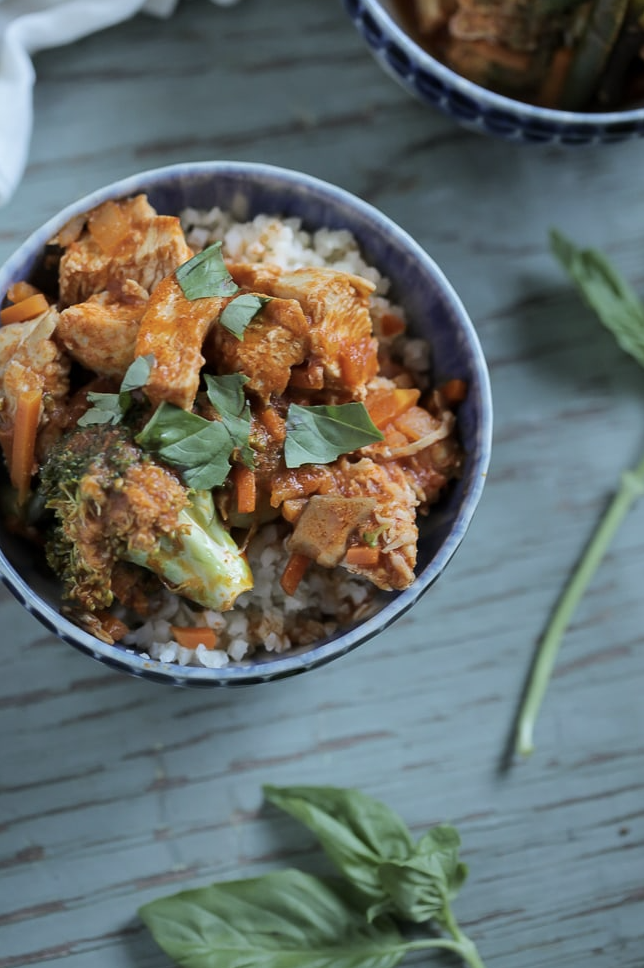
[[631, 488]]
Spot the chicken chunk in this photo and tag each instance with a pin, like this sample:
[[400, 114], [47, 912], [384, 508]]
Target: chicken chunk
[[337, 306], [391, 527], [389, 524], [421, 440], [275, 340], [101, 332], [121, 241], [30, 359], [173, 330], [326, 524]]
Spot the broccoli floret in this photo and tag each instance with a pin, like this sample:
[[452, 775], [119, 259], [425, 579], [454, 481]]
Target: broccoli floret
[[112, 502]]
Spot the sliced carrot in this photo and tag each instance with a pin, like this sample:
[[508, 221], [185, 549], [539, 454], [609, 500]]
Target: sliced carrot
[[25, 309], [296, 568], [24, 441], [415, 423], [272, 421], [390, 324], [189, 636], [114, 627], [245, 489], [108, 226], [551, 90], [358, 361], [307, 377], [454, 391], [21, 290], [362, 556], [385, 407], [6, 443]]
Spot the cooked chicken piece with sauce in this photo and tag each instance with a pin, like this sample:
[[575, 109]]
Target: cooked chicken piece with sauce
[[101, 332], [421, 441], [325, 525], [121, 241], [276, 339], [173, 330], [387, 516], [337, 305], [30, 359]]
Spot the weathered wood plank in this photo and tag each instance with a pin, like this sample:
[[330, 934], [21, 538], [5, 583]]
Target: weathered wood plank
[[114, 791]]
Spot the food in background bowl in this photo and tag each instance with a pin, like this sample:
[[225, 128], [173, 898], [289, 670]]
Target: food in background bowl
[[575, 56], [465, 85], [217, 427]]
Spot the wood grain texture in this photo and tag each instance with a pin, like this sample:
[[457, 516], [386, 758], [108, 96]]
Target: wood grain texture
[[114, 791]]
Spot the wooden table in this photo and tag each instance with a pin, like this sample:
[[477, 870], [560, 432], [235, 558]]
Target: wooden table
[[116, 790]]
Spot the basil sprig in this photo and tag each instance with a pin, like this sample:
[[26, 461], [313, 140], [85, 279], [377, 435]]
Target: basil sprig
[[372, 847], [110, 408], [241, 311], [205, 274], [318, 435], [290, 918], [202, 448], [621, 311]]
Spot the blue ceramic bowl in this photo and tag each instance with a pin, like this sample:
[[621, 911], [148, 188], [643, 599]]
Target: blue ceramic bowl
[[471, 105], [435, 312]]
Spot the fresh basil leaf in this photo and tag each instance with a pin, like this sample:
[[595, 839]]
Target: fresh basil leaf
[[357, 832], [421, 887], [137, 373], [318, 435], [240, 311], [199, 448], [205, 274], [112, 407], [226, 394], [616, 304], [106, 409], [443, 842], [285, 919]]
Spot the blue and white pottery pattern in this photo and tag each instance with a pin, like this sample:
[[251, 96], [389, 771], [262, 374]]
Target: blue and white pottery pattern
[[247, 189], [473, 106]]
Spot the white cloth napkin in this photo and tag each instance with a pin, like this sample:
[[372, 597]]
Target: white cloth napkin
[[27, 26]]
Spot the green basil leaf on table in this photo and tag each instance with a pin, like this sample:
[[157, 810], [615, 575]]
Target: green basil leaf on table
[[240, 311], [421, 887], [320, 434], [205, 274], [615, 302], [357, 832], [285, 919]]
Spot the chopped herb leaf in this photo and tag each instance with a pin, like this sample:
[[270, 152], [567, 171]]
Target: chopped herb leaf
[[240, 311], [206, 275], [318, 435], [112, 407], [226, 394], [200, 448], [106, 409]]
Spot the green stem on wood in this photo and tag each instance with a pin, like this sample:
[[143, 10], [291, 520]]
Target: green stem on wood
[[631, 488]]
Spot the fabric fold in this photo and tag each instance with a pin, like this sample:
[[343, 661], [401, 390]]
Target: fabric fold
[[28, 26]]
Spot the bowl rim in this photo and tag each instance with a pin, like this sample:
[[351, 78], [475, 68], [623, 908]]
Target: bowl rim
[[500, 102], [295, 661]]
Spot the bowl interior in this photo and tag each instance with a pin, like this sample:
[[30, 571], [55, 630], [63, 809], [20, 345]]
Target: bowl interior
[[434, 311]]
